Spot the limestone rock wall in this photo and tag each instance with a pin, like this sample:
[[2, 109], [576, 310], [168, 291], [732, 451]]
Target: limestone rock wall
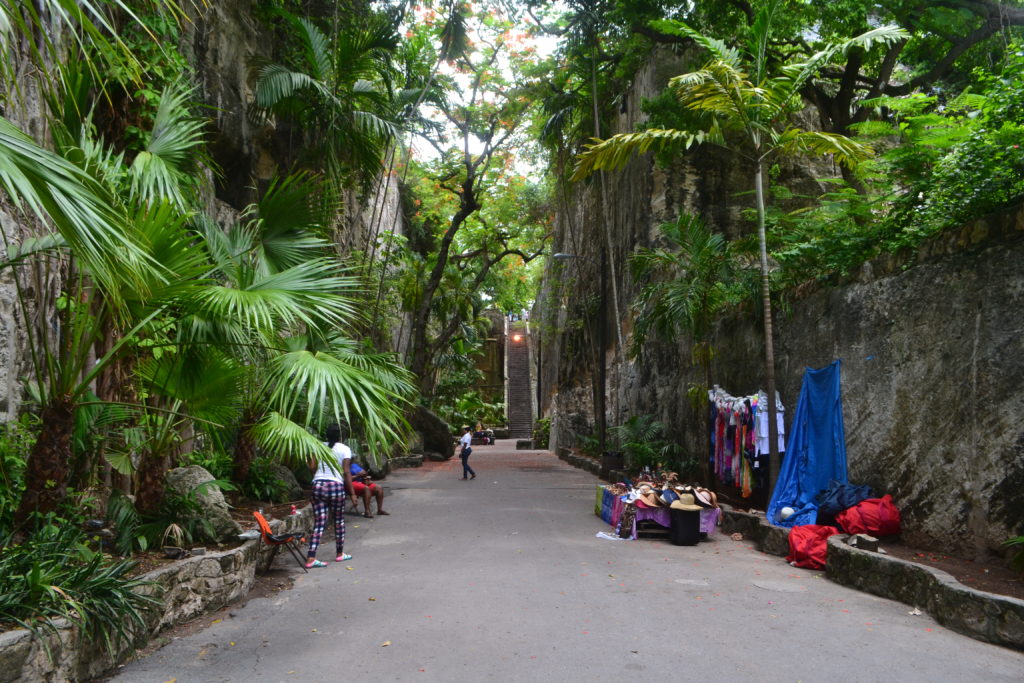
[[930, 344]]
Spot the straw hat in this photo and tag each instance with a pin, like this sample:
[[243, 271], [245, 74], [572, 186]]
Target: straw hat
[[651, 498], [685, 502]]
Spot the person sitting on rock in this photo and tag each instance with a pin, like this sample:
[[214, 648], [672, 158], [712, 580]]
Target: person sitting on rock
[[364, 488]]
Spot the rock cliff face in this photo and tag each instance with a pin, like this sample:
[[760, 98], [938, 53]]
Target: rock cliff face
[[930, 344]]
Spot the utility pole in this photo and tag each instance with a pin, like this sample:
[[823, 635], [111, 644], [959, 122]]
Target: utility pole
[[602, 350]]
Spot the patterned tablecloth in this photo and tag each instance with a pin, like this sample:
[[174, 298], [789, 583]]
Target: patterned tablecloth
[[610, 508]]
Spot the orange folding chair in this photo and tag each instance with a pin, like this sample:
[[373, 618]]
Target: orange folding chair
[[275, 541]]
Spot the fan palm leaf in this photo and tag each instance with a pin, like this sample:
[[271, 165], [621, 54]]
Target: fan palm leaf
[[159, 172], [317, 383], [81, 209], [203, 378], [309, 294], [293, 443]]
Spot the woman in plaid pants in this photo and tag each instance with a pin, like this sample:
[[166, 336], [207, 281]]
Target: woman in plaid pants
[[329, 489]]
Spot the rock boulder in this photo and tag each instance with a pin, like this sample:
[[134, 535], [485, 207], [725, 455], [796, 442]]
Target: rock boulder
[[212, 506]]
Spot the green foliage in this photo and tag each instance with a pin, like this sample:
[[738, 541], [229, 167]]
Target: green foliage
[[126, 522], [685, 284], [152, 43], [54, 576], [263, 482], [589, 445], [180, 515], [16, 441], [339, 90], [943, 165], [469, 408], [1016, 546], [184, 510], [217, 462], [641, 439], [542, 432], [836, 232]]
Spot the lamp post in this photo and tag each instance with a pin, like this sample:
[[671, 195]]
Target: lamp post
[[602, 325]]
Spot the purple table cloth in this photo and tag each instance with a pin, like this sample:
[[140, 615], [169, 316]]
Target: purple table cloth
[[708, 518]]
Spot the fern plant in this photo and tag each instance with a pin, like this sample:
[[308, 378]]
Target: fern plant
[[641, 439]]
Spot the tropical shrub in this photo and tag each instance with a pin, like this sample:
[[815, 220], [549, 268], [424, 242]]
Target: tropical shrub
[[542, 432], [217, 462], [179, 516], [54, 575], [16, 441], [1016, 546], [641, 440], [263, 482], [470, 408]]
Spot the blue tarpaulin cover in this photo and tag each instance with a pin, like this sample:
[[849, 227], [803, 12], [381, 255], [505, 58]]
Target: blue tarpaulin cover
[[816, 451]]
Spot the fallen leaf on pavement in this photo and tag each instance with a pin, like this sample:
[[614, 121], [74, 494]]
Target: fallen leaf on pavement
[[385, 643]]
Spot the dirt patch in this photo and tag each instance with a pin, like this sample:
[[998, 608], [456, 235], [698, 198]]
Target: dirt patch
[[991, 576], [241, 512]]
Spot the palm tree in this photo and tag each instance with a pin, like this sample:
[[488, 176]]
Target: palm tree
[[745, 106], [279, 304], [341, 96], [699, 269], [126, 253]]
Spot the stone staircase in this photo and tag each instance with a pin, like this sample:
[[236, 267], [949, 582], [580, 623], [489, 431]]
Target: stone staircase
[[520, 405]]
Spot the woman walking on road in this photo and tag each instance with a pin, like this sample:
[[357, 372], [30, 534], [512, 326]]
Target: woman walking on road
[[465, 442], [329, 488]]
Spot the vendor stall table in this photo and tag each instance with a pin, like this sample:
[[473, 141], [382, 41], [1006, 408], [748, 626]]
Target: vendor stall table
[[610, 507]]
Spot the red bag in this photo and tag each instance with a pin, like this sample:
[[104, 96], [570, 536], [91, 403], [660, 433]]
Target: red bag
[[875, 516], [808, 544]]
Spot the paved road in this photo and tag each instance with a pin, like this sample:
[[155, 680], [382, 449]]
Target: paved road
[[503, 579]]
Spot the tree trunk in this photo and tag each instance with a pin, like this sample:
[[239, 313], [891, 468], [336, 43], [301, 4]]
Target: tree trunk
[[705, 465], [245, 449], [150, 478], [422, 354], [46, 471], [769, 346]]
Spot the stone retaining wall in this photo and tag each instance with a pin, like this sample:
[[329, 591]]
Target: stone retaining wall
[[983, 616], [583, 462], [188, 589]]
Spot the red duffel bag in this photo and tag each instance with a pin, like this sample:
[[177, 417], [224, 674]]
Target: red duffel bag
[[808, 544], [875, 516]]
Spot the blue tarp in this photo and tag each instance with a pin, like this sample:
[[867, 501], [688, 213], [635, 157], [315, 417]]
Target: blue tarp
[[816, 451]]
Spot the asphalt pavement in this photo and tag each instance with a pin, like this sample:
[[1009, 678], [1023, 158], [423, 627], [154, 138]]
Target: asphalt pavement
[[503, 578]]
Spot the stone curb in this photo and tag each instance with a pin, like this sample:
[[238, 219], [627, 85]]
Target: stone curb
[[188, 589], [411, 460], [983, 616], [582, 462]]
